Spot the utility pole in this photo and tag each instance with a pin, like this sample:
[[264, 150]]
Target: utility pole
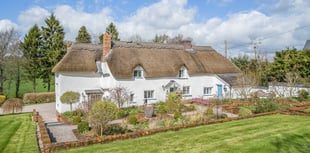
[[225, 42], [255, 44]]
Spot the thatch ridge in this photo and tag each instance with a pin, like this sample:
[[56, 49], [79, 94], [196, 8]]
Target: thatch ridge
[[157, 60]]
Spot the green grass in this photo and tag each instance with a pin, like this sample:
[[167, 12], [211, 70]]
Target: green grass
[[25, 87], [275, 133], [17, 134]]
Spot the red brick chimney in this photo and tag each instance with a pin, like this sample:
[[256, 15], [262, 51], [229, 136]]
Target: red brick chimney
[[106, 45]]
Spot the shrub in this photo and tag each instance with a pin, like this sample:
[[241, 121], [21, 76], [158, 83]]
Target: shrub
[[37, 98], [79, 112], [303, 94], [83, 127], [132, 120], [121, 113], [192, 107], [142, 126], [162, 108], [177, 115], [265, 106], [173, 102], [101, 113], [76, 119], [12, 105], [2, 99], [208, 111], [243, 112], [115, 129], [67, 114]]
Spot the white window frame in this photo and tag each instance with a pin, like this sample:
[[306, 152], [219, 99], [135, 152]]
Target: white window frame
[[138, 72], [148, 94], [186, 90], [207, 90], [182, 73]]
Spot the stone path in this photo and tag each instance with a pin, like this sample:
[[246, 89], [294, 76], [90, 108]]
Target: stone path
[[59, 132]]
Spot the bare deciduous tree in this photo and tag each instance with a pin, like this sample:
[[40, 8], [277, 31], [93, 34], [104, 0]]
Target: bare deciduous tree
[[8, 42], [119, 95], [245, 84]]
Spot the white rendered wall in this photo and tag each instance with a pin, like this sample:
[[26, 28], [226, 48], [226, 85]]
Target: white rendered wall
[[78, 82]]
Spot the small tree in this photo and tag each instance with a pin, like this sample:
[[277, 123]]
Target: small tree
[[12, 105], [101, 114], [119, 95], [173, 102], [70, 97], [83, 36]]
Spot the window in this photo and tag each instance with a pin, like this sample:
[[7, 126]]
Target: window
[[186, 90], [148, 94], [173, 89], [138, 72], [207, 90], [181, 73], [131, 97]]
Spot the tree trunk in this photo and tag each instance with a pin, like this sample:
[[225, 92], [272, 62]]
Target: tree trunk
[[49, 84], [34, 85], [101, 130], [1, 79], [17, 80]]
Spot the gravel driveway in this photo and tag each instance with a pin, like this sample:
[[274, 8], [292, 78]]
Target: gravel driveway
[[59, 132]]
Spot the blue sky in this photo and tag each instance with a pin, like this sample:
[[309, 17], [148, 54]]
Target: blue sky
[[272, 24]]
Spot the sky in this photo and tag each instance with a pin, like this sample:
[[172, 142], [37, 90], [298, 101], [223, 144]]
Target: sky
[[269, 25]]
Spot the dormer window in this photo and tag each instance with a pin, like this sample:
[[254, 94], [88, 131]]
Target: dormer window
[[138, 72], [183, 72]]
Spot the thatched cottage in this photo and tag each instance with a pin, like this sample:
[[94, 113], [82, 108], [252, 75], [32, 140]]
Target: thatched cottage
[[148, 71]]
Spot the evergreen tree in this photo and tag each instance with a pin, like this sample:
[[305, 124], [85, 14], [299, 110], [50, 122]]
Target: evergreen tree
[[290, 61], [83, 36], [53, 48], [112, 30], [31, 48]]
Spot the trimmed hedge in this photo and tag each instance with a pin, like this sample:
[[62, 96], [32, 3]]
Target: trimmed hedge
[[37, 98]]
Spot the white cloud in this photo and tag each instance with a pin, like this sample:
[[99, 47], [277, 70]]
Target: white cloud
[[34, 15], [275, 29], [162, 17], [72, 19], [7, 25]]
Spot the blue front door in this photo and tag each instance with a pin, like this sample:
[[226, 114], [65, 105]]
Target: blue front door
[[219, 91]]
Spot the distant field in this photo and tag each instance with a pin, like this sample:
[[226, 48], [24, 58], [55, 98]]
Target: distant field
[[267, 134], [17, 134], [25, 87]]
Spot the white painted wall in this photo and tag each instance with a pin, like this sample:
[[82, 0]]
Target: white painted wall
[[80, 82]]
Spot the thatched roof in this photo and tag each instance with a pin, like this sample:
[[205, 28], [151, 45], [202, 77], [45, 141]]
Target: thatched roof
[[157, 60], [79, 58]]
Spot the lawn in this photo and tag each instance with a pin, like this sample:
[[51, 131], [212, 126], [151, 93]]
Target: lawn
[[25, 87], [17, 134], [275, 133]]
